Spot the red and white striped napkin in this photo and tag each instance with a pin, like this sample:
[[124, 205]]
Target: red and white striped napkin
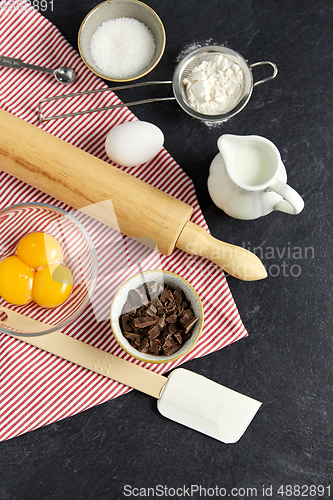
[[38, 388]]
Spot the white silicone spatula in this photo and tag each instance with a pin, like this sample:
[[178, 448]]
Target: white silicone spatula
[[185, 397]]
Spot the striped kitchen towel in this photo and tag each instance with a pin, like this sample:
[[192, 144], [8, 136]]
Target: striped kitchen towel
[[38, 388]]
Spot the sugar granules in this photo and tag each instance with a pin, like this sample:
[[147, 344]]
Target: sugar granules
[[122, 47], [215, 86]]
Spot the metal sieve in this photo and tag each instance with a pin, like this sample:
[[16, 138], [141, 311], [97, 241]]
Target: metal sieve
[[183, 69], [193, 59]]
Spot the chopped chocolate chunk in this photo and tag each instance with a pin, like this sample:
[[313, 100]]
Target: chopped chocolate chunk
[[186, 317], [143, 332], [154, 289], [166, 296], [161, 321], [172, 318], [143, 321], [151, 310], [156, 301], [155, 346], [170, 311], [136, 343], [190, 324], [171, 350], [141, 311], [186, 336], [157, 319], [132, 336], [164, 335], [179, 295], [154, 332], [168, 343], [178, 337], [138, 297], [172, 328], [144, 345], [125, 323], [188, 313], [179, 309], [142, 290]]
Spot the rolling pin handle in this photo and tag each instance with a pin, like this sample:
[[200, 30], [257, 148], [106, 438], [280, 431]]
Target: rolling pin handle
[[235, 260]]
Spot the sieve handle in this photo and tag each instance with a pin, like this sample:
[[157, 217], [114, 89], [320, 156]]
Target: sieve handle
[[42, 118], [261, 63]]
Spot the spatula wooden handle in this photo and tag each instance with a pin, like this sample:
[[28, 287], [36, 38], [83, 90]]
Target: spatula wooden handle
[[83, 354], [99, 361], [235, 260]]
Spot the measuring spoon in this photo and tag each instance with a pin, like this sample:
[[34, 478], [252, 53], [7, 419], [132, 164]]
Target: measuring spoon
[[62, 74]]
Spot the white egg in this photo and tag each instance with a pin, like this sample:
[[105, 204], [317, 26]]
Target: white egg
[[133, 143]]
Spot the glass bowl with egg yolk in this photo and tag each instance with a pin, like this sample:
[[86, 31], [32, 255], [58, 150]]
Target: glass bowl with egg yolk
[[48, 267]]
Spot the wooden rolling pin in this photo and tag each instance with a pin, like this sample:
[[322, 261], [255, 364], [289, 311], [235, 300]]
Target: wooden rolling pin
[[113, 197]]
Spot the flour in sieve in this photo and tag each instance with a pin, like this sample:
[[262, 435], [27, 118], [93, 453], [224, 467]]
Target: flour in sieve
[[215, 86]]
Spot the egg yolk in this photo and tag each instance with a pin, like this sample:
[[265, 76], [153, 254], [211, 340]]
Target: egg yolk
[[16, 281], [39, 250], [52, 285]]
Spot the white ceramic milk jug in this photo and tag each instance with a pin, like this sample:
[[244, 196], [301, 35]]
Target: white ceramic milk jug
[[247, 178]]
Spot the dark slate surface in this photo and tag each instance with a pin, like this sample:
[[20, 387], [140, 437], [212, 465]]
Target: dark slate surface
[[286, 361]]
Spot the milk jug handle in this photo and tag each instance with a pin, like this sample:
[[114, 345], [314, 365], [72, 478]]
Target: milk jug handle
[[273, 75], [292, 202]]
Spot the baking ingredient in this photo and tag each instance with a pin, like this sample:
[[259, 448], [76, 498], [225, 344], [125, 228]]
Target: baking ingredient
[[252, 166], [215, 86], [16, 281], [157, 319], [35, 273], [133, 143], [122, 47], [39, 249], [52, 285]]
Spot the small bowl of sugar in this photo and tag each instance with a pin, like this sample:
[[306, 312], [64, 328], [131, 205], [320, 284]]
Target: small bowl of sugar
[[121, 40]]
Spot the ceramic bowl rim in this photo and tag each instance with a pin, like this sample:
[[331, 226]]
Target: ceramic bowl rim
[[117, 327], [132, 78]]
